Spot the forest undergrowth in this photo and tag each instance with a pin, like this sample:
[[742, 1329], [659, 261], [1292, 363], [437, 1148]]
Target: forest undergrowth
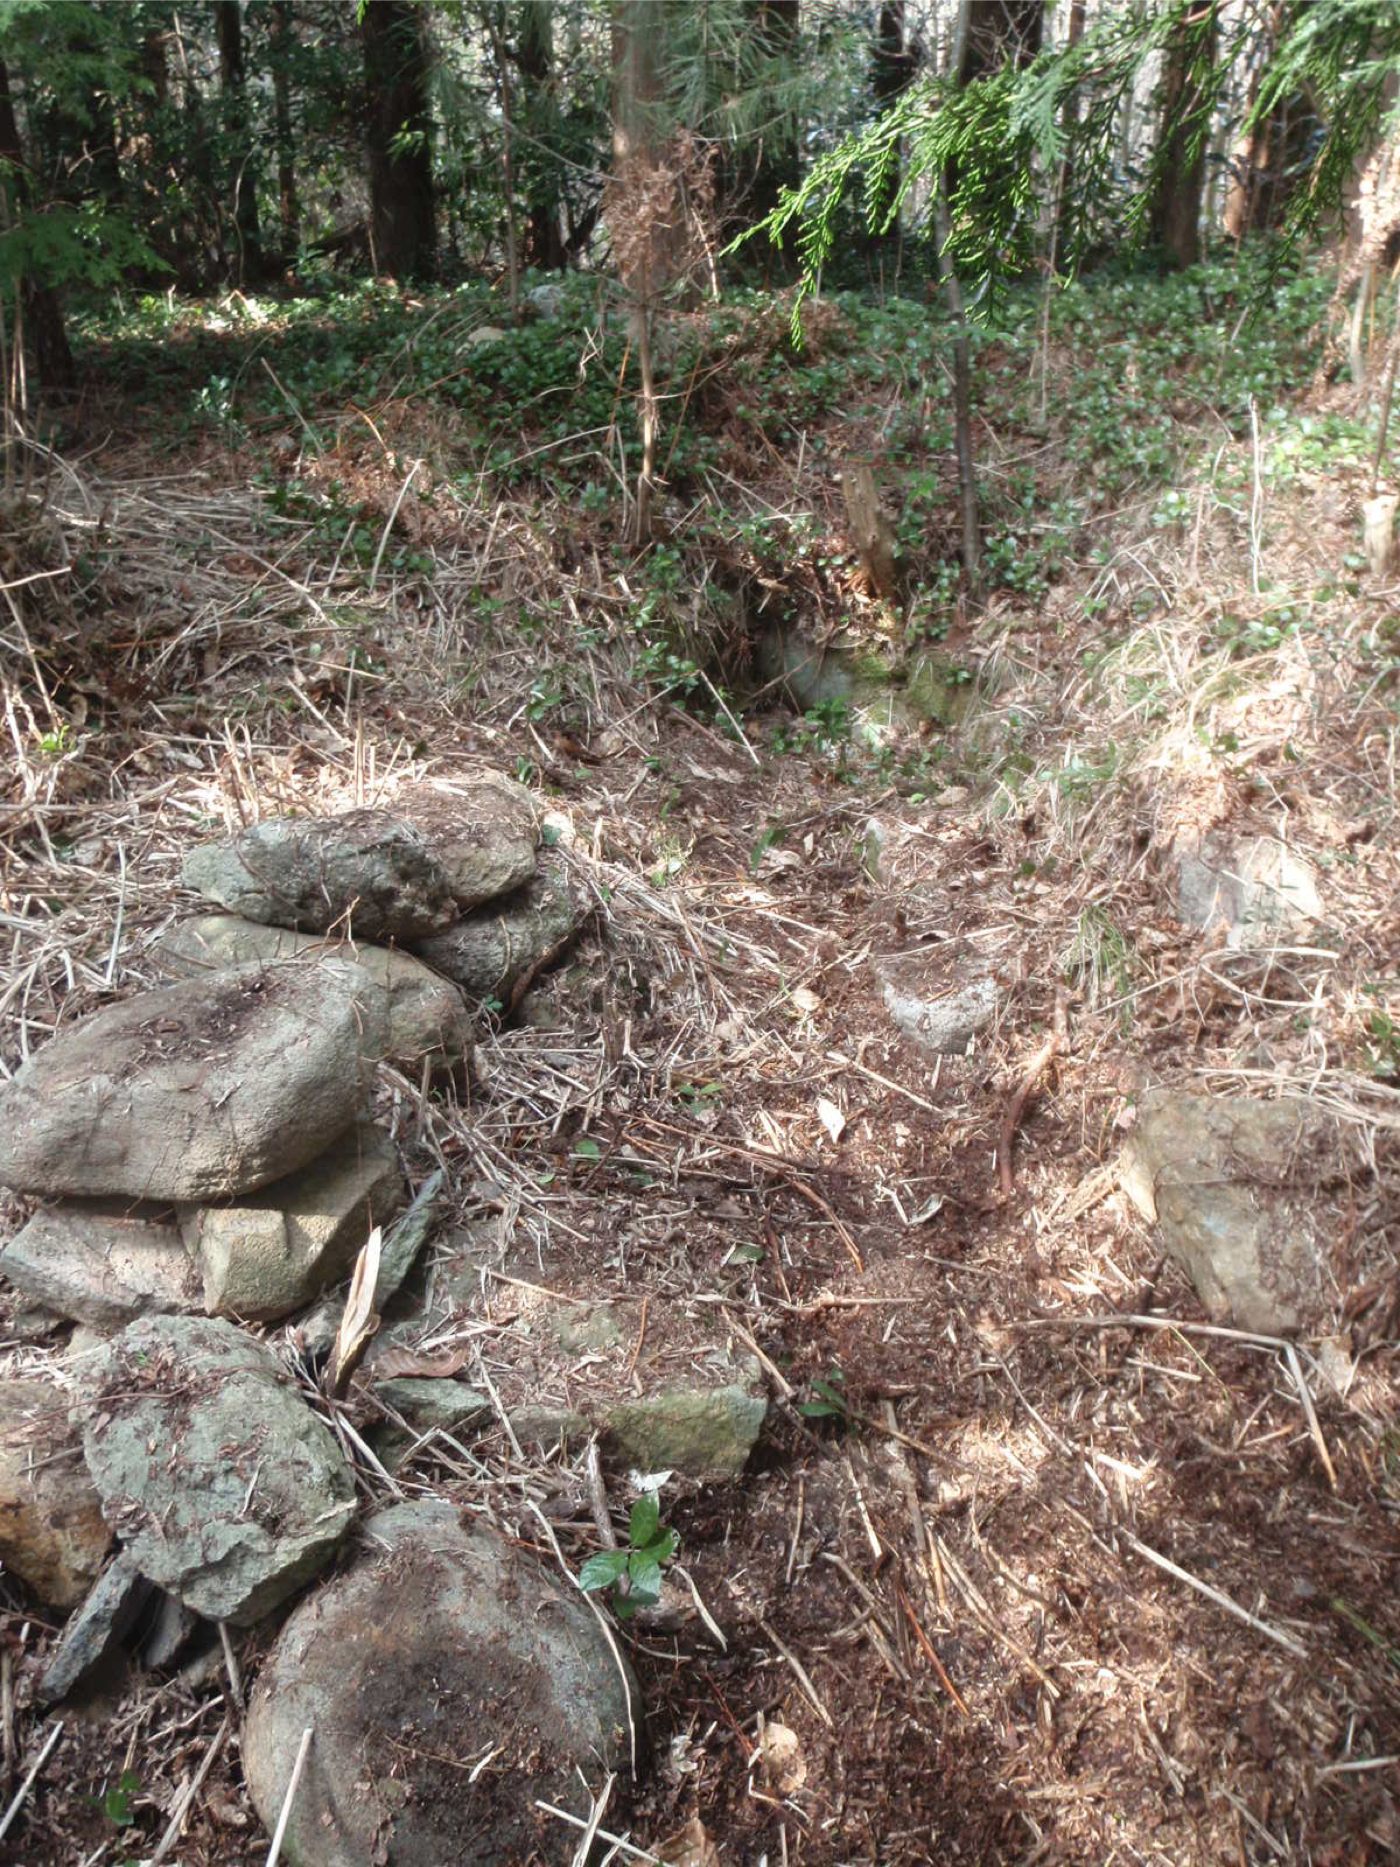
[[975, 1574]]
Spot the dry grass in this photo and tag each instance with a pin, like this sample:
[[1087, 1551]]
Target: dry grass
[[1079, 1580]]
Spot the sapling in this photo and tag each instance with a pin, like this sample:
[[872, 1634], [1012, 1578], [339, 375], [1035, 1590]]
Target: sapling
[[634, 1573]]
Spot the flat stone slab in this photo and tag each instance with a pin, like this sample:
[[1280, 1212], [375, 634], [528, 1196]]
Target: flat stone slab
[[364, 874], [97, 1631], [500, 948], [423, 1016], [222, 1484], [103, 1263], [52, 1534], [192, 1091], [1244, 1195], [273, 1252], [484, 831], [451, 1681]]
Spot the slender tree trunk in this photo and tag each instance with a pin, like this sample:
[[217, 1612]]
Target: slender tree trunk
[[544, 232], [962, 357], [398, 139], [495, 23], [288, 206], [1176, 205], [228, 20], [1057, 212], [36, 312], [648, 249]]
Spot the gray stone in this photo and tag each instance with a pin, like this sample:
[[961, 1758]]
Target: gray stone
[[704, 1432], [398, 1252], [97, 1631], [224, 1486], [52, 1535], [941, 997], [485, 334], [497, 949], [451, 1681], [1254, 887], [483, 831], [273, 1252], [1238, 1191], [543, 1425], [549, 300], [431, 1404], [365, 874], [193, 1091], [422, 1016], [102, 1264], [167, 1627]]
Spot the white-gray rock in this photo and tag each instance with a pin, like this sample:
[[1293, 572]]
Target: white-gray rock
[[103, 1264], [423, 1017], [273, 1252], [1255, 887], [942, 996], [222, 1484], [192, 1091], [365, 874], [1244, 1196], [484, 1679]]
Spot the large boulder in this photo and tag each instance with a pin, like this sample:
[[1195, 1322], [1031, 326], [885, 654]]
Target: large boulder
[[52, 1535], [422, 1016], [222, 1484], [273, 1252], [364, 873], [1244, 1195], [451, 1682], [102, 1263], [193, 1091], [500, 948], [483, 831]]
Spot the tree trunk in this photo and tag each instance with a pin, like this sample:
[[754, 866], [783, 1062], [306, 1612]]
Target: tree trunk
[[891, 69], [648, 236], [968, 502], [37, 312], [398, 139], [544, 231], [228, 21], [288, 206], [1176, 204]]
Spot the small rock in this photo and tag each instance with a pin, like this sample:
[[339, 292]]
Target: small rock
[[543, 1425], [274, 1252], [485, 334], [52, 1535], [1256, 888], [194, 1091], [549, 299], [702, 1432], [169, 1624], [492, 951], [941, 997], [1236, 1189], [431, 1404], [102, 1264], [484, 832], [364, 874], [422, 1016], [224, 1486], [450, 1651], [98, 1629]]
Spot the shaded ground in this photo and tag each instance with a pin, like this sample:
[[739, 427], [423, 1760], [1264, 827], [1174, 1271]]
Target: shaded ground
[[948, 1588]]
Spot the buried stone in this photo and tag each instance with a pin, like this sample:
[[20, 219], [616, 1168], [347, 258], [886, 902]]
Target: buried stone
[[452, 1683], [500, 948], [223, 1486], [192, 1091]]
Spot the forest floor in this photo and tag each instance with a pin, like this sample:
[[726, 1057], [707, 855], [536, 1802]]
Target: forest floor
[[966, 1604]]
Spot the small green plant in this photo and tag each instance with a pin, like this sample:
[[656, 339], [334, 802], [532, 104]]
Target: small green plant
[[828, 1400], [115, 1800], [633, 1574], [1383, 1051]]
